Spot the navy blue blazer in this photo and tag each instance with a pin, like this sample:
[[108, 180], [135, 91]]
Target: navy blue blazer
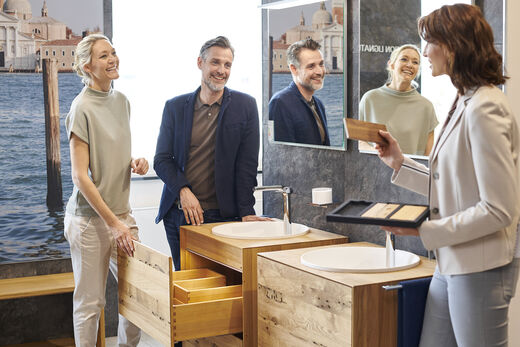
[[293, 118], [236, 152]]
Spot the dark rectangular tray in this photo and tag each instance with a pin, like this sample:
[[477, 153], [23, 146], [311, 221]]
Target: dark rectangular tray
[[351, 211]]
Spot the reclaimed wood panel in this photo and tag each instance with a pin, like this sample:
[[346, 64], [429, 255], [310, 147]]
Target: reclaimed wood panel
[[145, 291], [297, 308], [371, 311]]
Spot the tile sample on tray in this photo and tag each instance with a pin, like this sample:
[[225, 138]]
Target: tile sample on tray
[[380, 210], [408, 212]]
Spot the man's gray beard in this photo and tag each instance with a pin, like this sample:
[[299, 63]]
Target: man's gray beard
[[213, 87], [310, 86]]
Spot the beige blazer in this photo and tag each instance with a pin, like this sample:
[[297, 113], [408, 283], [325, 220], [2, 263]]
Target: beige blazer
[[473, 185]]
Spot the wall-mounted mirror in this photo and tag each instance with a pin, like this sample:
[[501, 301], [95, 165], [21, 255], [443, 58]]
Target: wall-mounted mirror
[[384, 27], [307, 88]]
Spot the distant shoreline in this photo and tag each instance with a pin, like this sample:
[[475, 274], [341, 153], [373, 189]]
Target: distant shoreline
[[6, 71]]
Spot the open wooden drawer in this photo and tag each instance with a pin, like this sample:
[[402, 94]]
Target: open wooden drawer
[[175, 306]]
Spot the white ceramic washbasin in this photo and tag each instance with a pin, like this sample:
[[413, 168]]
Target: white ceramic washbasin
[[357, 259], [258, 230]]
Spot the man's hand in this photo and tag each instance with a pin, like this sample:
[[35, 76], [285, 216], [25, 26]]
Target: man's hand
[[123, 237], [139, 166], [193, 212], [253, 218]]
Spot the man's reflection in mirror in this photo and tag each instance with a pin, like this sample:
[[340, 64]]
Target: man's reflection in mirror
[[298, 115], [408, 115]]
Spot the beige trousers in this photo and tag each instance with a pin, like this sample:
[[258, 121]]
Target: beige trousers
[[93, 251]]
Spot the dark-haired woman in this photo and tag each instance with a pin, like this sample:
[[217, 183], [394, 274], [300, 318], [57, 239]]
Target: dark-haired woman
[[472, 184]]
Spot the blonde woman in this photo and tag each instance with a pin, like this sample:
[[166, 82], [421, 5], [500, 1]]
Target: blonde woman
[[98, 218], [408, 115]]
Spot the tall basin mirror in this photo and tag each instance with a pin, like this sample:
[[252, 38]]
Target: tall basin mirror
[[291, 116], [384, 27]]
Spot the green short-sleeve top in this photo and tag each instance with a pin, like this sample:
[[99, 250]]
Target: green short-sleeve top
[[102, 120], [408, 116]]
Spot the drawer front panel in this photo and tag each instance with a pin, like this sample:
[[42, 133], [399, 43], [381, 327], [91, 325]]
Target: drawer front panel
[[204, 319]]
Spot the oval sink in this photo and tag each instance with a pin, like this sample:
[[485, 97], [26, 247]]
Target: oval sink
[[357, 259], [259, 230]]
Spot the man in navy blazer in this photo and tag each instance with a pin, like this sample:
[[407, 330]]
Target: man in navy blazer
[[298, 115], [207, 150]]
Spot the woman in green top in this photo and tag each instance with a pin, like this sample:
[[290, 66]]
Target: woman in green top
[[98, 217], [408, 116]]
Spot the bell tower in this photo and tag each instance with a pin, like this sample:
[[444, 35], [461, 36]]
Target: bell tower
[[44, 9]]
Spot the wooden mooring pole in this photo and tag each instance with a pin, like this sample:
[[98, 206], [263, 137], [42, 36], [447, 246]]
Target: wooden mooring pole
[[52, 133]]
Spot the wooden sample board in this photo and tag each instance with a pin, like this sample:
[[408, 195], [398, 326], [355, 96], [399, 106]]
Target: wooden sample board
[[302, 306], [201, 249], [363, 131]]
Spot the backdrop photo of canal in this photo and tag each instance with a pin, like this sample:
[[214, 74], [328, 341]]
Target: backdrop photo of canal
[[28, 230], [332, 97]]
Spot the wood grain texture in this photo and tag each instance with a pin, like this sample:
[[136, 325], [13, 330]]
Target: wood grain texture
[[199, 248], [23, 287], [144, 291], [298, 309], [408, 212], [363, 131], [65, 342], [206, 294], [199, 283], [176, 306], [354, 310], [380, 210], [209, 318], [374, 316], [215, 341]]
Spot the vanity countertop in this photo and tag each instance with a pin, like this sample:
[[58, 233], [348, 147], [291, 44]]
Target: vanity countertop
[[229, 251], [292, 258]]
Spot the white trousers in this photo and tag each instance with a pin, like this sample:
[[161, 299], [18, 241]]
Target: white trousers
[[93, 251]]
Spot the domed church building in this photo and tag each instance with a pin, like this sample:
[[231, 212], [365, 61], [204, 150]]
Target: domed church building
[[24, 36], [325, 29]]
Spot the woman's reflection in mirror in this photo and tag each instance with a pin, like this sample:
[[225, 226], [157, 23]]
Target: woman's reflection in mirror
[[408, 116]]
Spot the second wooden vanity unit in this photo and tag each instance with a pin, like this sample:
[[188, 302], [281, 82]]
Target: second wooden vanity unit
[[302, 306], [236, 258]]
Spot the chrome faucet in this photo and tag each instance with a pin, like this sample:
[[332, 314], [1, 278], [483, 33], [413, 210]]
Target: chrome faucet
[[285, 194]]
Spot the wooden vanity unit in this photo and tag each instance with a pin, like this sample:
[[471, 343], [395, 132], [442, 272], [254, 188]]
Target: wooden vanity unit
[[302, 306], [174, 306], [237, 260]]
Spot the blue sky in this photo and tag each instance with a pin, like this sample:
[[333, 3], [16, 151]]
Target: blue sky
[[282, 20]]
